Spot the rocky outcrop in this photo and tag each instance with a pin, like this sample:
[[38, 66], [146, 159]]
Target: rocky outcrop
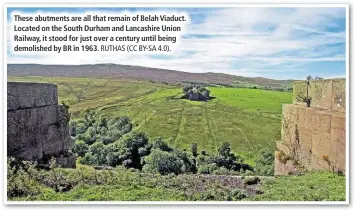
[[37, 127]]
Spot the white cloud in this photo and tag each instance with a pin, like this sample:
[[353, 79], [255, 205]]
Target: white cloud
[[235, 38]]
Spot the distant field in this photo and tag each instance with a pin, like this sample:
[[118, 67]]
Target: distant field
[[250, 119]]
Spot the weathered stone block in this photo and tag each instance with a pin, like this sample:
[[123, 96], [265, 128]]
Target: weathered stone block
[[37, 131], [318, 163], [322, 121], [289, 122], [282, 147], [314, 162], [323, 146], [339, 95], [341, 157], [304, 157], [324, 164], [339, 136], [338, 121], [37, 127], [29, 95], [321, 92], [306, 140], [281, 168], [309, 118], [318, 133], [301, 116]]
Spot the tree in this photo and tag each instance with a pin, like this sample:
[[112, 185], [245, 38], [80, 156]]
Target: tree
[[187, 88], [129, 148], [98, 150], [228, 160], [159, 143], [113, 159], [194, 149], [162, 162], [224, 149], [265, 163], [80, 148]]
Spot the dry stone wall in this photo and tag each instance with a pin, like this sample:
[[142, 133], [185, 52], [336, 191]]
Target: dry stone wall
[[314, 137], [37, 127]]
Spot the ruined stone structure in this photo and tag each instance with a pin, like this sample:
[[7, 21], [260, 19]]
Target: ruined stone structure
[[314, 137], [37, 127], [196, 96]]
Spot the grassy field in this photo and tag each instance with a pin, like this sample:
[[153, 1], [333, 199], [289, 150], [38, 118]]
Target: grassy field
[[249, 119], [313, 186], [119, 184]]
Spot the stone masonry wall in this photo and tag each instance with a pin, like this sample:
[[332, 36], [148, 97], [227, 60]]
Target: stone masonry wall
[[314, 137], [36, 125]]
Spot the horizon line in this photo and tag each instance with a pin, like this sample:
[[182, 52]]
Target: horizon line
[[166, 70]]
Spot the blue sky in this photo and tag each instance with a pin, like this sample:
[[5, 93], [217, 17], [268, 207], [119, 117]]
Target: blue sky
[[279, 43]]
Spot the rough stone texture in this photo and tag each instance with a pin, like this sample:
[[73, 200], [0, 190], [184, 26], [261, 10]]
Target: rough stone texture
[[321, 93], [323, 146], [38, 131], [338, 97], [315, 136], [282, 147], [321, 121], [30, 95], [326, 94], [32, 132], [341, 157], [288, 124], [338, 121], [281, 168]]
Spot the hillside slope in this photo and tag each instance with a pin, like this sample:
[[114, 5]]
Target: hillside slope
[[138, 73], [246, 118]]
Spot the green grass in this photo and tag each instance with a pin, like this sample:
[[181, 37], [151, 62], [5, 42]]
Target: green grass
[[86, 192], [261, 101], [122, 184], [249, 119], [313, 186]]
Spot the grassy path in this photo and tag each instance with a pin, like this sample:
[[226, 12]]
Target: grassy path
[[213, 142], [181, 124]]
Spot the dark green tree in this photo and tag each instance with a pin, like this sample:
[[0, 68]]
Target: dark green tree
[[194, 149]]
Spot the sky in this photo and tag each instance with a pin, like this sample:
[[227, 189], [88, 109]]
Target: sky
[[277, 43]]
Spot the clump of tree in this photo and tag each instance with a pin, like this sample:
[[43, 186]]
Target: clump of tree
[[166, 160], [94, 134], [111, 142], [224, 162], [195, 92], [265, 163]]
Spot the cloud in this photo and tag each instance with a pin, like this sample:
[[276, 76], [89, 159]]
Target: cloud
[[272, 42]]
